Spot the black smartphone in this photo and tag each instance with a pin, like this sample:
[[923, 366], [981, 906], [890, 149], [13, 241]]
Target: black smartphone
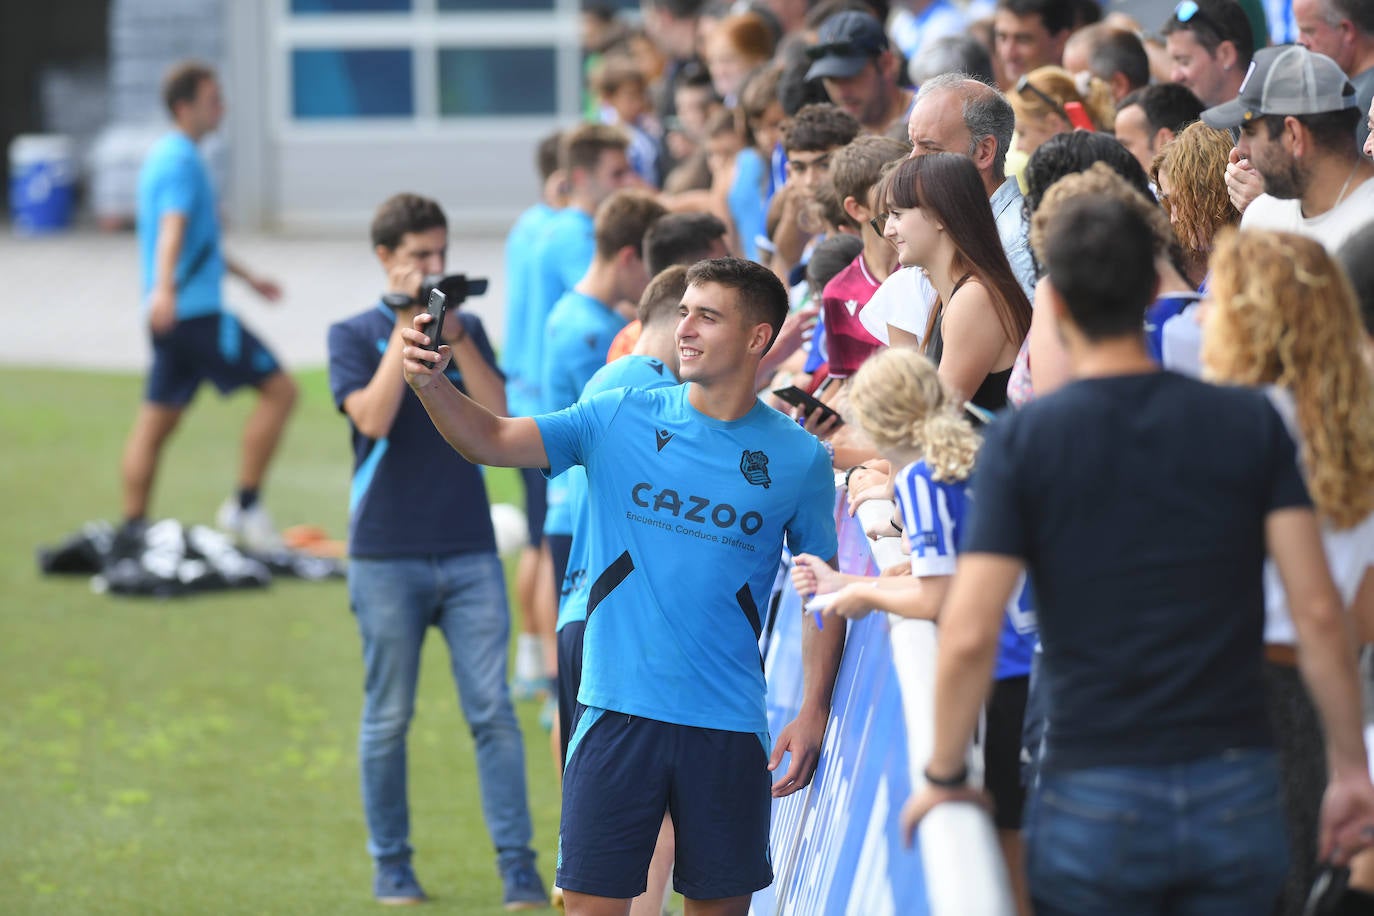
[[438, 305], [808, 404]]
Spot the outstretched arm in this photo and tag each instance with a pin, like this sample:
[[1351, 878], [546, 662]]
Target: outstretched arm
[[476, 433]]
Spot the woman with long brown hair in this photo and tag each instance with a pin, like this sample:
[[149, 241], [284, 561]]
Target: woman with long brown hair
[[1283, 315], [939, 219]]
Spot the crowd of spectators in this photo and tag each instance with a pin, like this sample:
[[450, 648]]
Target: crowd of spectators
[[997, 223]]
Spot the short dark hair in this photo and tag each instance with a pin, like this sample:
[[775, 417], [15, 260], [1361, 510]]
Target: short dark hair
[[582, 146], [1330, 130], [182, 83], [1171, 105], [1065, 154], [546, 155], [662, 296], [680, 238], [1356, 255], [817, 128], [402, 213], [622, 221], [1121, 52], [760, 295], [795, 91], [830, 257], [1057, 15], [1100, 259], [1214, 22]]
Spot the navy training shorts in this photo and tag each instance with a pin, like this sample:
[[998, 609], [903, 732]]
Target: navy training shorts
[[624, 772], [569, 681], [215, 348], [536, 503]]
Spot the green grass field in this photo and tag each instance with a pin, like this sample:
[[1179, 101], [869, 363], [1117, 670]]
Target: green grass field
[[198, 755]]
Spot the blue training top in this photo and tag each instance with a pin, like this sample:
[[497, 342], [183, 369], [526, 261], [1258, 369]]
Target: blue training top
[[174, 180], [561, 256], [391, 473], [630, 371], [522, 379], [688, 518], [578, 334], [935, 518]]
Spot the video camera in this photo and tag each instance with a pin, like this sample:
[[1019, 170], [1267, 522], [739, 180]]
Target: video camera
[[455, 287]]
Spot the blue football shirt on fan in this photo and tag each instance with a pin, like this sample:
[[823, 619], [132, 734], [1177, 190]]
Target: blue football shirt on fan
[[632, 371], [688, 517], [934, 521]]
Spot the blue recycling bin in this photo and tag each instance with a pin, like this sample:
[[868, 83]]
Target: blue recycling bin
[[42, 183]]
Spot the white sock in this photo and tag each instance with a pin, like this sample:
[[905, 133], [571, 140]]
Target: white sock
[[529, 665]]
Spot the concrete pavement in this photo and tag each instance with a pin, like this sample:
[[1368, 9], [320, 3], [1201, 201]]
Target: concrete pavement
[[72, 299]]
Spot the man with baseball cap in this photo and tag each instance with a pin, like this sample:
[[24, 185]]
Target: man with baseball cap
[[852, 59], [1296, 112]]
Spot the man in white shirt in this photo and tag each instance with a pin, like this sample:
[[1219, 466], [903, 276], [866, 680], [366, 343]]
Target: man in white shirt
[[1297, 113]]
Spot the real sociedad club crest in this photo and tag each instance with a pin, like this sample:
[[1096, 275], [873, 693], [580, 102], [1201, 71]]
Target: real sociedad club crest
[[754, 467]]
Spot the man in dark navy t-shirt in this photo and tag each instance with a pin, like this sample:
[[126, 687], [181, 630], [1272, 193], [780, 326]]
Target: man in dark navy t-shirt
[[1142, 503], [404, 577]]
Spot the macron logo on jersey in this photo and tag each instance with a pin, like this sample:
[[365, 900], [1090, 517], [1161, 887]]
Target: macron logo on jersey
[[754, 467], [663, 437]]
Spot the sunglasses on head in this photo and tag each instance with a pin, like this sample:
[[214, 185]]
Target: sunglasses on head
[[1189, 11], [1024, 85]]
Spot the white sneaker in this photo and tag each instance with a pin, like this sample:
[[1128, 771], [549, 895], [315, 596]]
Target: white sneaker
[[251, 529]]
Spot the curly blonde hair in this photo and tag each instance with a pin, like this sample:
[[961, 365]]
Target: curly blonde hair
[[897, 398], [1284, 314], [1199, 206], [1059, 84]]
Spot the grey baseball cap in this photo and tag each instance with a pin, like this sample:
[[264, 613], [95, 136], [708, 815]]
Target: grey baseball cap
[[1287, 80], [845, 43]]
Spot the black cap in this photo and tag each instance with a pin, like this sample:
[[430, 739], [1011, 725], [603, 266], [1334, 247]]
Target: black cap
[[846, 43]]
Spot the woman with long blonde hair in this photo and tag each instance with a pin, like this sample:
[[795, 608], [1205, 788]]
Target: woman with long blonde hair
[[898, 400], [1283, 315]]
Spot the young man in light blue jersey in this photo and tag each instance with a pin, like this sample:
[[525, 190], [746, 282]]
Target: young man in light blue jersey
[[582, 326], [194, 339], [522, 392], [593, 160], [652, 364], [693, 490]]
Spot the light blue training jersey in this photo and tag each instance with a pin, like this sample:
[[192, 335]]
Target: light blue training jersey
[[632, 371], [935, 519], [688, 518], [576, 338], [561, 256], [522, 379], [174, 179]]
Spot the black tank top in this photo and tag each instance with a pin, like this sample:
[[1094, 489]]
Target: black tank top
[[992, 393]]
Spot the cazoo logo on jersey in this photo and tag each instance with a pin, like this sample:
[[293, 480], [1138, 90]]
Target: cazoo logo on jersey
[[692, 508]]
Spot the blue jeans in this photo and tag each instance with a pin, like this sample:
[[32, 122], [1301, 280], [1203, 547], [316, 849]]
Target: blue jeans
[[1204, 837], [395, 602]]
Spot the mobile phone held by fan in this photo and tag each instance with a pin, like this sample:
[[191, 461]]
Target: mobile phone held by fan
[[434, 329], [808, 404], [1078, 116]]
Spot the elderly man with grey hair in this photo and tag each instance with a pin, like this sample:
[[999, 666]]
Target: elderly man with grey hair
[[1343, 30], [955, 113]]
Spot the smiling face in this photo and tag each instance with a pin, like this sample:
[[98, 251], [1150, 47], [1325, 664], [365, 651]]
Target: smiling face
[[915, 234], [713, 337]]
